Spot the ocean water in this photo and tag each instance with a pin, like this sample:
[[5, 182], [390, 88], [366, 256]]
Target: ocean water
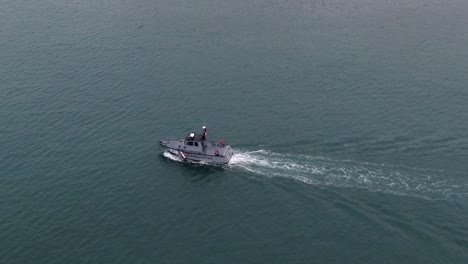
[[349, 120]]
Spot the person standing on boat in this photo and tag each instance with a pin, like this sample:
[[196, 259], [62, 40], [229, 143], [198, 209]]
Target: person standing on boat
[[205, 133]]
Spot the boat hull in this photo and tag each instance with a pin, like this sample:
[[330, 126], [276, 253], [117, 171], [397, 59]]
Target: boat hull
[[200, 157]]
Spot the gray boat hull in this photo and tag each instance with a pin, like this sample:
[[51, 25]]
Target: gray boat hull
[[211, 154]]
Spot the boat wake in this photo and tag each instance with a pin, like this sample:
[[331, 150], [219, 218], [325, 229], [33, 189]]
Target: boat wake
[[171, 156], [315, 170], [323, 171]]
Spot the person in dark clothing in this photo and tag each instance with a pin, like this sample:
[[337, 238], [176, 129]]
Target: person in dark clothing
[[205, 133]]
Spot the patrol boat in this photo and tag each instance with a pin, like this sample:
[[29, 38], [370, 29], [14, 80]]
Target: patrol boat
[[197, 148]]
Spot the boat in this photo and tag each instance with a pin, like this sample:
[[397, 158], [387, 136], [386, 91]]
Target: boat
[[197, 148]]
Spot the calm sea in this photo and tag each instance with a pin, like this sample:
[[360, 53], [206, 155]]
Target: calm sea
[[349, 120]]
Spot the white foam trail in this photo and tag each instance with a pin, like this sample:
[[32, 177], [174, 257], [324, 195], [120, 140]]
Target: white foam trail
[[374, 177], [171, 156]]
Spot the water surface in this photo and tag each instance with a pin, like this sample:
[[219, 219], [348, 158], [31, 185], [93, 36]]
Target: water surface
[[348, 118]]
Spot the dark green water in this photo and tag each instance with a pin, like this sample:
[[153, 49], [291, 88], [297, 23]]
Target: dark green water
[[349, 120]]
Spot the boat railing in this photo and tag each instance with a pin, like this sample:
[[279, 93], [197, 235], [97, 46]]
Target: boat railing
[[209, 142], [217, 143]]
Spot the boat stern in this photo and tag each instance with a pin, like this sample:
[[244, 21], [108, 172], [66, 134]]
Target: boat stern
[[228, 154]]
